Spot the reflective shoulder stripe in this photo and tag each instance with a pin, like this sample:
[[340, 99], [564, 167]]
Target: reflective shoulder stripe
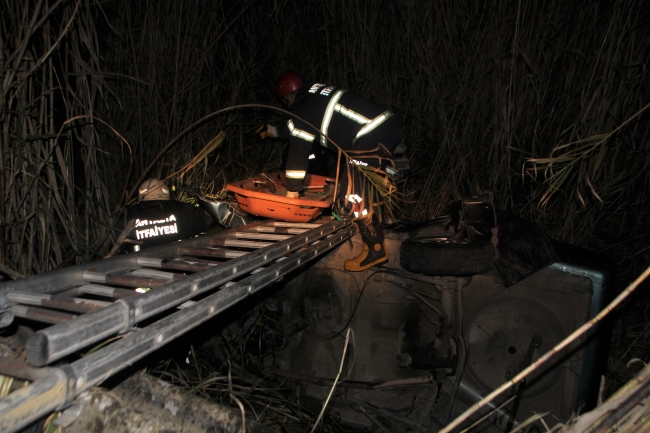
[[327, 117], [299, 132], [373, 124], [351, 114], [295, 174]]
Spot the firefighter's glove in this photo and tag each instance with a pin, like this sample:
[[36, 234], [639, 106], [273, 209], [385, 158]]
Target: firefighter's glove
[[293, 194], [266, 131]]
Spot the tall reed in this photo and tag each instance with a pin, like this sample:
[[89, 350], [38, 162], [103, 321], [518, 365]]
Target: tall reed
[[55, 202]]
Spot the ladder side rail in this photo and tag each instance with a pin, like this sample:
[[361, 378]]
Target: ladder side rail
[[53, 343], [25, 405]]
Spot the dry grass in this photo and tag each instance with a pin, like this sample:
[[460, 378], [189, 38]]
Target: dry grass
[[264, 401]]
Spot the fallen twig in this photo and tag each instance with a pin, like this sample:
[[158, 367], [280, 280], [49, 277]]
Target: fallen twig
[[338, 375]]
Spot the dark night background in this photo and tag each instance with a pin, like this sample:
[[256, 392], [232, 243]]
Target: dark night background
[[543, 102]]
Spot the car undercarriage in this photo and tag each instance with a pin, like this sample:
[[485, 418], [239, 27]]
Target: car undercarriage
[[421, 349]]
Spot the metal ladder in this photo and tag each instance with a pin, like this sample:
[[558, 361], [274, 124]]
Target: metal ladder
[[87, 304]]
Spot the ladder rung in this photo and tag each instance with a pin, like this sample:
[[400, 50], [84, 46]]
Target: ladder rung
[[66, 294], [152, 273], [123, 280], [195, 260], [262, 236], [239, 243], [281, 230], [42, 315], [220, 253], [294, 225], [76, 305], [176, 265], [21, 370], [106, 291]]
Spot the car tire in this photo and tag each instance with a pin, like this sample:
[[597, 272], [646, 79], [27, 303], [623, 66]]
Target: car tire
[[433, 255]]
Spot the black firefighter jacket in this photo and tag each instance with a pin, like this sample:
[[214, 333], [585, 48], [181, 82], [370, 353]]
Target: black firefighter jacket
[[350, 120]]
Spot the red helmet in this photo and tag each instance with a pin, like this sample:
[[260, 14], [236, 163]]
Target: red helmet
[[287, 83]]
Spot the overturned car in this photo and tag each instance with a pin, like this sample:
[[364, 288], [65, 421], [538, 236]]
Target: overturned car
[[465, 303]]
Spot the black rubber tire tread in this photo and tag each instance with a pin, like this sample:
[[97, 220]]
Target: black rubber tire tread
[[452, 259]]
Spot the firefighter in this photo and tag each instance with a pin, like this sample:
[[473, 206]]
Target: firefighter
[[354, 123], [159, 220]]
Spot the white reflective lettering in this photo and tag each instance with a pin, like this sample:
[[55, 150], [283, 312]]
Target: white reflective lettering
[[156, 230], [327, 90], [314, 88]]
